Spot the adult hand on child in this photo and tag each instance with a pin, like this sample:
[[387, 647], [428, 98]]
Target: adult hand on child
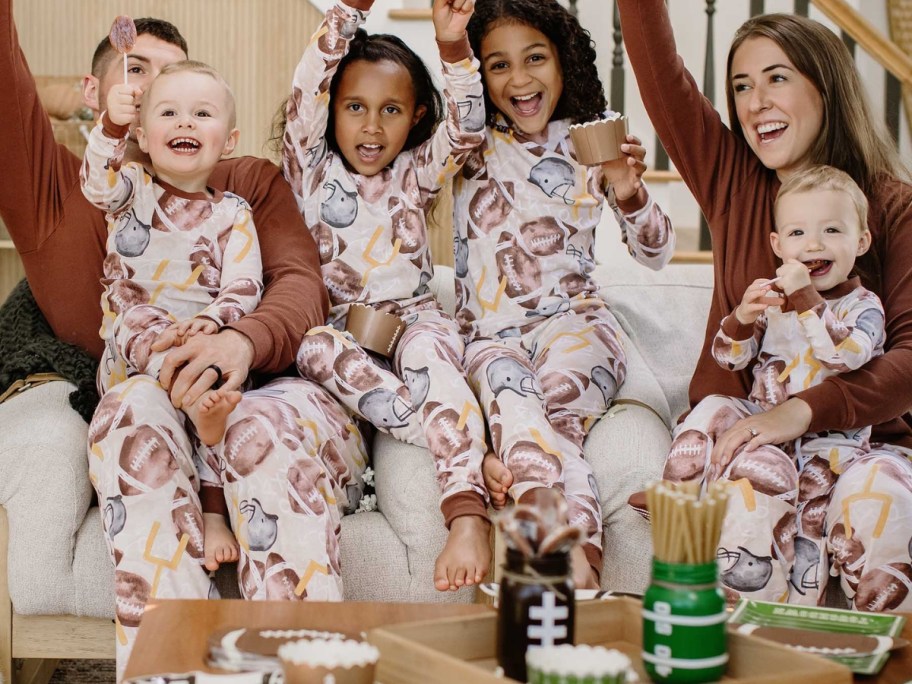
[[755, 301], [625, 174], [451, 18], [177, 333], [793, 275], [186, 372], [780, 424], [123, 104]]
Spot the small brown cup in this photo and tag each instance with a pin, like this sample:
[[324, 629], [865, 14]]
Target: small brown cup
[[298, 670], [379, 332], [597, 142]]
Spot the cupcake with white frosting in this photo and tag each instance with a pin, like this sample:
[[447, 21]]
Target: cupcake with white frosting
[[328, 661], [569, 664]]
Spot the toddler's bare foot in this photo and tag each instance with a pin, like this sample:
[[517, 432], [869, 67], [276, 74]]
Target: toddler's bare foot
[[498, 479], [584, 576], [467, 555], [219, 543], [211, 414]]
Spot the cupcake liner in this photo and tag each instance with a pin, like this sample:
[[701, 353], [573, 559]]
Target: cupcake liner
[[568, 664], [600, 141], [321, 661]]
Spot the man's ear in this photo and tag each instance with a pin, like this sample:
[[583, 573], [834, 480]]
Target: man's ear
[[864, 243], [420, 111], [774, 243], [90, 93], [231, 142]]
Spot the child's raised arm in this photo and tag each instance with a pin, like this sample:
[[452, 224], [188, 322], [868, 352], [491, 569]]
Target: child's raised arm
[[738, 339], [462, 129], [104, 183], [307, 110], [645, 228]]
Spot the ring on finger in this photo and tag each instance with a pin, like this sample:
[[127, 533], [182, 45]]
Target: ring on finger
[[753, 431], [218, 373]]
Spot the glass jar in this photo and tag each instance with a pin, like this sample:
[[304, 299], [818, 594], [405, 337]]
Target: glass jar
[[684, 623], [536, 608]]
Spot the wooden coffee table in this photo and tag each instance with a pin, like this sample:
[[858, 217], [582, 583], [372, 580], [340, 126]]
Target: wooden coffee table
[[173, 634]]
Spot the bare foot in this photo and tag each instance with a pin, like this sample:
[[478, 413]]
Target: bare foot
[[467, 555], [210, 414], [219, 543], [498, 479], [584, 576]]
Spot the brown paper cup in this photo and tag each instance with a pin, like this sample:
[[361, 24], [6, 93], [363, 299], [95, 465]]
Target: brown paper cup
[[597, 142], [379, 332]]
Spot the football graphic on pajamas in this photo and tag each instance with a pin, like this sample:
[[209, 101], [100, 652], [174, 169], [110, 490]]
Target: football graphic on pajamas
[[769, 470], [188, 520], [522, 272], [304, 476], [884, 588], [490, 206], [543, 237], [248, 442], [315, 356], [355, 369], [145, 460], [281, 580], [342, 282], [125, 293], [442, 434], [530, 463], [203, 254], [687, 457], [131, 595], [563, 387], [408, 226], [816, 479]]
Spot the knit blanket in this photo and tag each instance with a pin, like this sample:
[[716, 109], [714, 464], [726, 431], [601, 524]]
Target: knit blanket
[[28, 345]]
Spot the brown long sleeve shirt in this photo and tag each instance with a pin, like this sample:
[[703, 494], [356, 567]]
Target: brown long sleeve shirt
[[736, 193]]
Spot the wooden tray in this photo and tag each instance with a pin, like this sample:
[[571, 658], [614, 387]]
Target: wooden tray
[[462, 649]]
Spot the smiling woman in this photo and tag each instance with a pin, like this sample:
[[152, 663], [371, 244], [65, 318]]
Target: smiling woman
[[795, 100]]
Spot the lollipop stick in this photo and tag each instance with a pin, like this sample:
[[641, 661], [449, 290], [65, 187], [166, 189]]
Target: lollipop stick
[[125, 69]]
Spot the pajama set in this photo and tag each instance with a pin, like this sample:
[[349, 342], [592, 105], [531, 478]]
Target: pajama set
[[372, 237], [543, 350], [289, 453], [821, 334], [868, 515]]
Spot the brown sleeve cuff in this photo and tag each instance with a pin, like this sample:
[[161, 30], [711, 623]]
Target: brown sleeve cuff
[[212, 499], [828, 407], [363, 5], [113, 130], [635, 203], [462, 503], [805, 299], [736, 330], [453, 51]]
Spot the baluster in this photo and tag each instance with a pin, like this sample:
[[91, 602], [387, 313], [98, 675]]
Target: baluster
[[709, 86], [802, 7], [892, 104], [757, 7], [573, 9], [617, 65]]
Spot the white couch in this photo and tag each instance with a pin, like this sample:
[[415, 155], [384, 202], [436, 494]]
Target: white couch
[[58, 564]]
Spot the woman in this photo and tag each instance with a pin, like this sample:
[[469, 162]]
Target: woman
[[795, 101]]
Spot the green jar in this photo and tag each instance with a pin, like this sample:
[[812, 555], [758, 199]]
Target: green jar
[[684, 624]]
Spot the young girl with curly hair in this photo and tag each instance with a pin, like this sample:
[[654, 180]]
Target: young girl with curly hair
[[543, 352]]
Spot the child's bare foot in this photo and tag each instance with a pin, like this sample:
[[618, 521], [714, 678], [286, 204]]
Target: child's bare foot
[[584, 576], [219, 543], [210, 414], [498, 479], [467, 555]]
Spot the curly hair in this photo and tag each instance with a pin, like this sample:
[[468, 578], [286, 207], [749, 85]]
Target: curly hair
[[382, 47], [583, 97]]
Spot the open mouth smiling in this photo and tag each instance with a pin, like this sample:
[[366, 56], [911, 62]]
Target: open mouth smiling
[[184, 145], [526, 104], [771, 130], [818, 267]]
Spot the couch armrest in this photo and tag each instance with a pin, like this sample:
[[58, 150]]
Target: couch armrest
[[45, 489]]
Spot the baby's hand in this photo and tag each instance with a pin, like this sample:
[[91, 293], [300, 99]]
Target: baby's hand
[[194, 326], [451, 18], [754, 302], [625, 173], [123, 104], [793, 275]]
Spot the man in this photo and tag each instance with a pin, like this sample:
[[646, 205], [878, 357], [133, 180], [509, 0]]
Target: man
[[289, 451]]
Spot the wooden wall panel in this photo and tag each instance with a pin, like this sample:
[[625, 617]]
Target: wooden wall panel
[[254, 43]]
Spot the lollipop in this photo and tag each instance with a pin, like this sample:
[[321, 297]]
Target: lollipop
[[123, 37]]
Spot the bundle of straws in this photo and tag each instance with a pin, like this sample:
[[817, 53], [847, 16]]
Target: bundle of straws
[[685, 527]]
